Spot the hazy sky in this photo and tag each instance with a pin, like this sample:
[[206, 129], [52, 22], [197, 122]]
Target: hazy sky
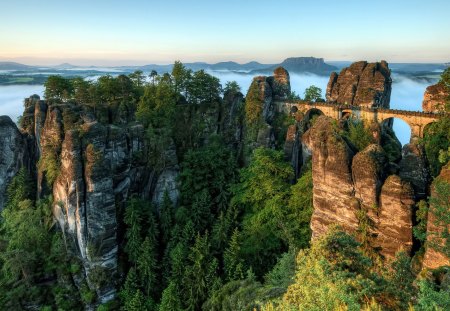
[[109, 32]]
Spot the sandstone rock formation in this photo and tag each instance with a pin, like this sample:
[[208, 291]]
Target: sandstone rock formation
[[435, 98], [13, 154], [280, 83], [348, 188], [260, 101], [414, 168], [394, 222], [332, 179], [369, 170], [435, 245], [362, 84]]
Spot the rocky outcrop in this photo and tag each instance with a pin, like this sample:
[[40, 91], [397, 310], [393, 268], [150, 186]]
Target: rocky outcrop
[[353, 190], [13, 154], [369, 170], [414, 168], [362, 84], [394, 222], [435, 98], [89, 167], [436, 246], [332, 178], [280, 83], [260, 104]]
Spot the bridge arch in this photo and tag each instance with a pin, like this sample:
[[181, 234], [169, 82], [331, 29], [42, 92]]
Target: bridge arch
[[312, 113], [402, 129]]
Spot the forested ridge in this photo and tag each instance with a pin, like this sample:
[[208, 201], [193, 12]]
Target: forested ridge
[[237, 236]]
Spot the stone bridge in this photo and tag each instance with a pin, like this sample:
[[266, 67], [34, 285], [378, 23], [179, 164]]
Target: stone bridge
[[415, 119]]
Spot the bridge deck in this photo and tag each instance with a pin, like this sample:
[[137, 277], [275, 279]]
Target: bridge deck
[[358, 108]]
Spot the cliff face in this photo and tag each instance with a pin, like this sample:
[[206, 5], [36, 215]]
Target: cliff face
[[362, 84], [97, 168], [13, 154], [436, 247], [435, 97], [351, 188], [268, 89]]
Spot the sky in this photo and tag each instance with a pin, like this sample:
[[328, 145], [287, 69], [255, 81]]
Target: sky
[[112, 32]]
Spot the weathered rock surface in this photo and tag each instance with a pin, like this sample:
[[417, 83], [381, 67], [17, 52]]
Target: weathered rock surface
[[268, 89], [362, 84], [345, 185], [280, 83], [332, 178], [13, 154], [440, 206], [394, 223], [435, 97], [414, 168], [369, 170]]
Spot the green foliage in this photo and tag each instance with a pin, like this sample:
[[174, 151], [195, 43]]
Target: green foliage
[[99, 276], [332, 275], [200, 274], [358, 134], [282, 274], [20, 188], [253, 111], [57, 87], [239, 295], [420, 229], [170, 299], [445, 78], [313, 93], [436, 141], [233, 263], [203, 88], [277, 213], [440, 209], [49, 164], [133, 235], [431, 297], [206, 175], [232, 87]]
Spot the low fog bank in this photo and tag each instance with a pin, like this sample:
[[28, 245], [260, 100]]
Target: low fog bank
[[12, 97], [406, 94]]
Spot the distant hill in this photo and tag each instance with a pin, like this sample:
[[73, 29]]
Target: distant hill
[[65, 66], [14, 66], [301, 65]]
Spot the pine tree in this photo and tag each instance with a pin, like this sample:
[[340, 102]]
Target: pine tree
[[170, 300], [133, 236], [200, 274], [201, 211], [130, 287], [147, 267], [233, 264], [136, 303]]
